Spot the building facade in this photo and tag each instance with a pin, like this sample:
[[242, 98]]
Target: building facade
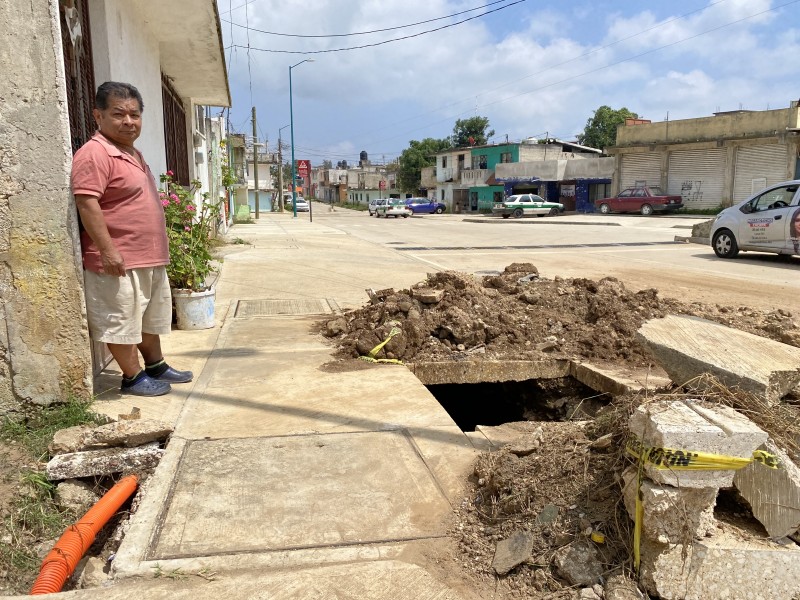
[[710, 161], [53, 54]]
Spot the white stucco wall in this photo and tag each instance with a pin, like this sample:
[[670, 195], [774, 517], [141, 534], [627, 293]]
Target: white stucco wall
[[125, 51]]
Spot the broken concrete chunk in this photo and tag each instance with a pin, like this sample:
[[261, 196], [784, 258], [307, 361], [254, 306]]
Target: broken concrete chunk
[[773, 494], [721, 567], [128, 433], [68, 440], [589, 594], [527, 443], [619, 587], [428, 295], [548, 514], [671, 512], [512, 551], [76, 496], [675, 426], [687, 347], [93, 573], [579, 563], [103, 462]]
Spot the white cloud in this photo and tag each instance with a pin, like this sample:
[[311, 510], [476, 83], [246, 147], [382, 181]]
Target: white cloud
[[529, 70]]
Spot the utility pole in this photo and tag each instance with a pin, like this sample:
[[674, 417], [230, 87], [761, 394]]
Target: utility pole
[[280, 173], [255, 158]]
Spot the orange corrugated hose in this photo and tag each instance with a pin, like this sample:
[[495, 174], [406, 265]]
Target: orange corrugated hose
[[61, 561]]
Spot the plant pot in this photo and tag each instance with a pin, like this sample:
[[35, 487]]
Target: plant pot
[[194, 310]]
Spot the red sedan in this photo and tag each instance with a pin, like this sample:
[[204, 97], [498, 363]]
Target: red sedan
[[645, 200]]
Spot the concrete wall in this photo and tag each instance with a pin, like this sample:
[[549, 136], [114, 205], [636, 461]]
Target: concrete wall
[[44, 343], [124, 50], [558, 170], [736, 125]]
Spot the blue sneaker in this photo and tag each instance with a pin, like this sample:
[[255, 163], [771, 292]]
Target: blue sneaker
[[143, 385], [173, 376]]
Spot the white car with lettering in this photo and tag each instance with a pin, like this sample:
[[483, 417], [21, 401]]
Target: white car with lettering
[[768, 221]]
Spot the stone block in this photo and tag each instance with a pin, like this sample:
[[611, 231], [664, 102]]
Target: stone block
[[619, 587], [76, 496], [512, 551], [579, 563], [676, 426], [103, 462], [68, 440], [670, 513], [725, 566], [127, 433], [773, 494], [428, 295], [687, 347]]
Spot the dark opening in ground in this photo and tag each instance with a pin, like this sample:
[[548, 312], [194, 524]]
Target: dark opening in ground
[[473, 404]]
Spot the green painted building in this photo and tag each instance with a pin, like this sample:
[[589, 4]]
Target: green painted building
[[484, 159]]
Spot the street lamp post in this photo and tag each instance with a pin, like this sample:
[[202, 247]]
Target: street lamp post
[[291, 131]]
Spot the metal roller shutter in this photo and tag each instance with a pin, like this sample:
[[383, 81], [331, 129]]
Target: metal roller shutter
[[638, 168], [758, 167], [698, 176]]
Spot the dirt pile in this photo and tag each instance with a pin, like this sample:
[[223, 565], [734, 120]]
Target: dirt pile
[[518, 315]]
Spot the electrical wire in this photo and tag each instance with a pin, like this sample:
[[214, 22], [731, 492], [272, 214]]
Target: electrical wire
[[334, 35], [398, 39]]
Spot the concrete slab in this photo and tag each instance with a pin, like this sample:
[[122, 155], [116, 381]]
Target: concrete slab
[[376, 579], [293, 492], [615, 380], [477, 371], [773, 494], [687, 347], [675, 426], [724, 566]]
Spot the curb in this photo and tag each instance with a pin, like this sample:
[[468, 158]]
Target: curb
[[529, 221], [693, 240]]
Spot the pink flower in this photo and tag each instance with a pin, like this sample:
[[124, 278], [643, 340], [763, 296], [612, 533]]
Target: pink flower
[[190, 208], [165, 202], [170, 174], [187, 228], [175, 198], [162, 195]]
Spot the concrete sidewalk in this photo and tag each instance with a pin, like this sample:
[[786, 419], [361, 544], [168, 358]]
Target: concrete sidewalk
[[344, 473]]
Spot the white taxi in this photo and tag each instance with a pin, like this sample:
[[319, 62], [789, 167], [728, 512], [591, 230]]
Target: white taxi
[[769, 221]]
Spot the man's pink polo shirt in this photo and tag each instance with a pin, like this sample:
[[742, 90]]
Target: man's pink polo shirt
[[130, 203]]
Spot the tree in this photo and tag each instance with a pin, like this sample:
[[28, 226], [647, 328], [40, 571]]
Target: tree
[[327, 164], [413, 159], [471, 132], [601, 129]]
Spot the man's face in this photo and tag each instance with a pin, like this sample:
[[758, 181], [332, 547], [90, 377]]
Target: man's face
[[121, 122]]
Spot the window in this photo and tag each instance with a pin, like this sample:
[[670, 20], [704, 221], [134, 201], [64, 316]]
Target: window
[[626, 193], [482, 161], [444, 162], [497, 197], [777, 198], [475, 162], [505, 157], [442, 195]]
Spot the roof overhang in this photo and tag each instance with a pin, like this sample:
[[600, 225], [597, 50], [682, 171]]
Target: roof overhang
[[517, 179], [189, 37]]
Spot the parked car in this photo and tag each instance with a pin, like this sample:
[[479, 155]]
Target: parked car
[[302, 204], [768, 221], [645, 200], [425, 206], [393, 207], [520, 205], [372, 207]]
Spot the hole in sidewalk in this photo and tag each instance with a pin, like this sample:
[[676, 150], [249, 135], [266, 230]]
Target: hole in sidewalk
[[733, 509], [492, 403]]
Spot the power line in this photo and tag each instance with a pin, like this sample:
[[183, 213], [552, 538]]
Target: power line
[[405, 37], [541, 87], [333, 35]]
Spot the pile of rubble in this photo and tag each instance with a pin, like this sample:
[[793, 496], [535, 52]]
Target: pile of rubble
[[87, 460], [518, 315]]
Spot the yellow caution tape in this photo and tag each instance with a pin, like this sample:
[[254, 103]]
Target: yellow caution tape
[[682, 460], [371, 356]]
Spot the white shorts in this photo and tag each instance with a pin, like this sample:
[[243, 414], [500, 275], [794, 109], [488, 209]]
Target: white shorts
[[120, 309]]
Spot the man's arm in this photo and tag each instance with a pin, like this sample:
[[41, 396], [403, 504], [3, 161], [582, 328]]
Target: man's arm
[[95, 225]]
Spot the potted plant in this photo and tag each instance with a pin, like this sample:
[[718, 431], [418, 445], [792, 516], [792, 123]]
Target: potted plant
[[190, 225]]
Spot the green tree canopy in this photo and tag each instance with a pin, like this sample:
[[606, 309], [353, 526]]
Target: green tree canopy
[[413, 159], [601, 129], [475, 128]]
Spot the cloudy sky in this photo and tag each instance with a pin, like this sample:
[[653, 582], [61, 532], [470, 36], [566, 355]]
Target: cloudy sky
[[531, 67]]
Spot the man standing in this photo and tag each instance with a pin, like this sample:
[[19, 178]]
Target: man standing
[[124, 244]]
